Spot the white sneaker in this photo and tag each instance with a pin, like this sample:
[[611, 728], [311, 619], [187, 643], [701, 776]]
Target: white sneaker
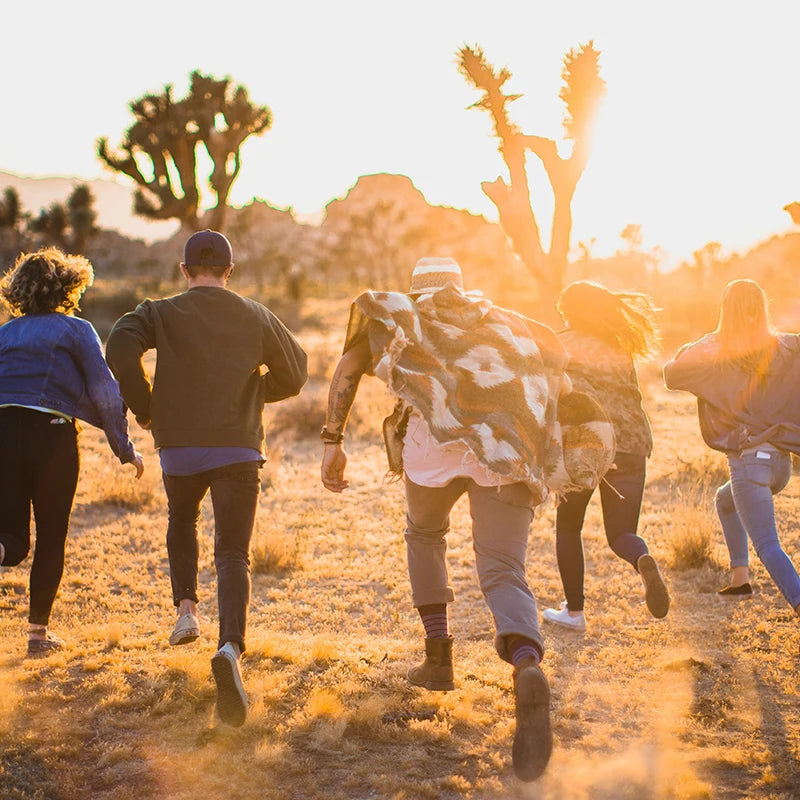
[[562, 617], [231, 698], [187, 629]]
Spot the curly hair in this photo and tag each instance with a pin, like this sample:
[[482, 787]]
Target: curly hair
[[623, 319], [46, 281]]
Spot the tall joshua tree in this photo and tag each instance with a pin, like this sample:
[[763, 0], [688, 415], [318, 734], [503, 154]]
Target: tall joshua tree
[[159, 150], [582, 90]]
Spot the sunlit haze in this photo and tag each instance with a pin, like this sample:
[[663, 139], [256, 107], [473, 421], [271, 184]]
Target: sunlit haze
[[698, 138]]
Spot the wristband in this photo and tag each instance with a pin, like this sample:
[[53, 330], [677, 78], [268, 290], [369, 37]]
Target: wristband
[[329, 437]]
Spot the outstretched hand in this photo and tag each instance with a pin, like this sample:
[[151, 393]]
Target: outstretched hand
[[139, 464], [334, 461]]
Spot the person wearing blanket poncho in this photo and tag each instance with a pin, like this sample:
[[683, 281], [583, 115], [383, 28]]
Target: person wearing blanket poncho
[[477, 412]]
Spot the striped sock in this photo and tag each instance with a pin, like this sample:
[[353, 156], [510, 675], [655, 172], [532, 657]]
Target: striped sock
[[434, 618], [520, 647]]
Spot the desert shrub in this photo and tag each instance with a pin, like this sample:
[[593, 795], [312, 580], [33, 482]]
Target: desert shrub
[[692, 534], [692, 521], [274, 551]]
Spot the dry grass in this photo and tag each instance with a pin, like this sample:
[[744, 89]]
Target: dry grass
[[702, 704]]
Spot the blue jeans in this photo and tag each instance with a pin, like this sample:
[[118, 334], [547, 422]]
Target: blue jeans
[[234, 496], [745, 508]]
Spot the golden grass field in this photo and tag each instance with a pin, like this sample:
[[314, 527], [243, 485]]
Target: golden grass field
[[703, 704]]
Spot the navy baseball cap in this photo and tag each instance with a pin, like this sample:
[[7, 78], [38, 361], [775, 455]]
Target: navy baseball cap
[[207, 249]]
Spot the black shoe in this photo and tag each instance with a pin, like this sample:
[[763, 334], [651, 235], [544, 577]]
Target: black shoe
[[533, 739], [41, 647], [745, 590]]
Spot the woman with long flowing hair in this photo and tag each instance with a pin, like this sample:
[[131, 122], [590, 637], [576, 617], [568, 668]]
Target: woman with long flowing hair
[[746, 377], [606, 333]]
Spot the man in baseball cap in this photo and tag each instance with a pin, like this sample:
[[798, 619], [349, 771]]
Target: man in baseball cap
[[205, 413]]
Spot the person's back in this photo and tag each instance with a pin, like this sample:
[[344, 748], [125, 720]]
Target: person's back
[[211, 346], [219, 358]]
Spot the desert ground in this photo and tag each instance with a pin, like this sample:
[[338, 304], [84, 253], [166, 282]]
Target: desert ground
[[702, 704]]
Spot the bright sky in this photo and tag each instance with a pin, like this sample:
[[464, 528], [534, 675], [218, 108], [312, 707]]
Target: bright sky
[[698, 139]]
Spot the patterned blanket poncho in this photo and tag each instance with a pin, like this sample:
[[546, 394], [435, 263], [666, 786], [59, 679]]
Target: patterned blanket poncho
[[490, 378]]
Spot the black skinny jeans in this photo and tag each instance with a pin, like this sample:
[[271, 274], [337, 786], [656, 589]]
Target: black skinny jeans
[[39, 465], [234, 496], [621, 498]]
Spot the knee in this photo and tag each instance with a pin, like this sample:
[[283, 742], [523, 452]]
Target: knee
[[15, 554], [425, 535], [502, 576], [768, 550]]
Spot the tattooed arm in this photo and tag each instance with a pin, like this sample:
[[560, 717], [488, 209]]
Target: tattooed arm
[[344, 385]]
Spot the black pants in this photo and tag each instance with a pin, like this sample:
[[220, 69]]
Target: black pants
[[621, 498], [39, 466], [234, 496]]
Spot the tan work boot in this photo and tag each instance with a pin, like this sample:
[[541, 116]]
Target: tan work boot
[[533, 739], [436, 671]]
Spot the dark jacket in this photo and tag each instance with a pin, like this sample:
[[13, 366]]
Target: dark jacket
[[736, 409], [209, 386], [608, 375], [55, 361]]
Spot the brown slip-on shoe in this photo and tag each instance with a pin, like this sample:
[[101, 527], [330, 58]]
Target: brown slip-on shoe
[[533, 738]]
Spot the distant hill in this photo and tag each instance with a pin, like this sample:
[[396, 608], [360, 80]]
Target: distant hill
[[114, 202]]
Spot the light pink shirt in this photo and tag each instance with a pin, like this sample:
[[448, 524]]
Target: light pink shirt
[[428, 463]]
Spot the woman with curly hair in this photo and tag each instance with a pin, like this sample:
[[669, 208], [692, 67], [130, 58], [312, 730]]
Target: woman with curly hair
[[606, 331], [52, 372], [746, 377]]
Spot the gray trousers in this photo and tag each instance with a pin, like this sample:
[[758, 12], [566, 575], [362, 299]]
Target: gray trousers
[[501, 518]]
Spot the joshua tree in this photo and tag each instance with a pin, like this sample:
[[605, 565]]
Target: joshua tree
[[582, 90], [159, 150], [10, 209], [51, 225], [82, 217], [67, 225]]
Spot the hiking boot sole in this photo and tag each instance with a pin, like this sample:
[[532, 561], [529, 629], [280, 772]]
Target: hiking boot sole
[[533, 739], [433, 686]]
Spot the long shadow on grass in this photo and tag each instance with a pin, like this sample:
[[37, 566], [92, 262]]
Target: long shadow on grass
[[773, 729], [48, 767], [24, 775]]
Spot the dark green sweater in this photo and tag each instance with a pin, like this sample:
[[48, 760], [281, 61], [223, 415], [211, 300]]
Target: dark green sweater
[[210, 385]]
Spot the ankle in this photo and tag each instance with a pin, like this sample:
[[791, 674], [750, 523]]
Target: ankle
[[740, 576], [187, 607], [233, 648], [37, 631]]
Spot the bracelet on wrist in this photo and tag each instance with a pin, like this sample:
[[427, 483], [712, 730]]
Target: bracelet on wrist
[[329, 437]]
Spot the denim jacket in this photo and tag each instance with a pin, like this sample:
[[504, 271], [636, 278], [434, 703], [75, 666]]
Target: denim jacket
[[56, 361]]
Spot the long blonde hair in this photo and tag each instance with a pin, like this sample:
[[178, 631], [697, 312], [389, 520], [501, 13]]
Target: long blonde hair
[[744, 332], [623, 319]]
